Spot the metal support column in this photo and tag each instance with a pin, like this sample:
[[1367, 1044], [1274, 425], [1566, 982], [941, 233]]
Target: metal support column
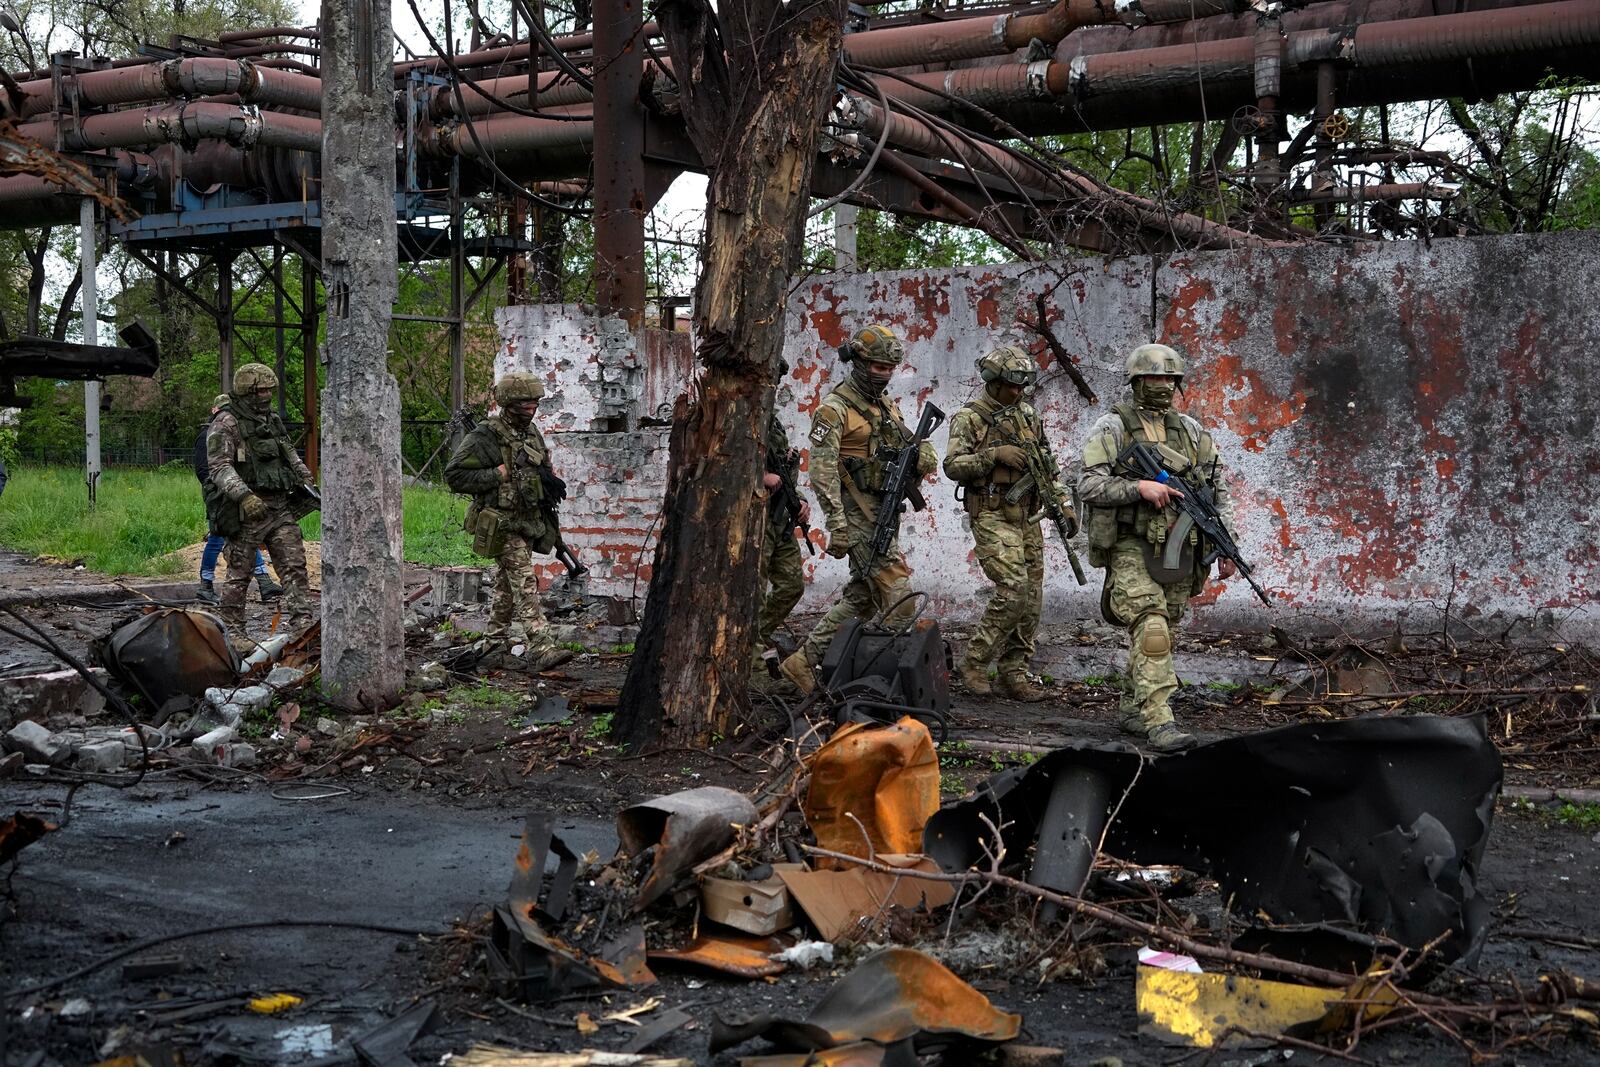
[[90, 296], [844, 237], [458, 294], [225, 319], [619, 184], [310, 357], [1323, 176], [277, 329]]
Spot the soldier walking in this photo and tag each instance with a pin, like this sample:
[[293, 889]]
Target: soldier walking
[[782, 579], [855, 429], [1129, 520], [207, 593], [254, 473], [504, 465], [995, 440]]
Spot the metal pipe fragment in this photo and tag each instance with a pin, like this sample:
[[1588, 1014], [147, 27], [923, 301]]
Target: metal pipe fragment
[[185, 124]]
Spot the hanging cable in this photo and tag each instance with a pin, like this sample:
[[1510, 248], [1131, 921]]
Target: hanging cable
[[872, 161]]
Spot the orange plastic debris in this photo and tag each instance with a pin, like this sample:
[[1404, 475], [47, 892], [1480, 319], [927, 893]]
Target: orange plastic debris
[[886, 776]]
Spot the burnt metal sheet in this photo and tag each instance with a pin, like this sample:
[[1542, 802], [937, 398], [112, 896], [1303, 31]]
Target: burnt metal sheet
[[735, 954], [684, 828], [20, 831], [895, 995], [532, 965], [539, 841], [1372, 826], [173, 652]]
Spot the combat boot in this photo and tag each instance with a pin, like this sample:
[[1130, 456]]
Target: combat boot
[[207, 594], [798, 670], [1169, 738], [975, 679], [1132, 722], [270, 590], [1016, 685], [546, 658]]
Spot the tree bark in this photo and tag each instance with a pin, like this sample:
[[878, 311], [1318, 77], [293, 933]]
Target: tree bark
[[755, 85], [363, 640]]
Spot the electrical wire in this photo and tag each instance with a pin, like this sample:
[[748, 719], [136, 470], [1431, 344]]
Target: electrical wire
[[872, 161]]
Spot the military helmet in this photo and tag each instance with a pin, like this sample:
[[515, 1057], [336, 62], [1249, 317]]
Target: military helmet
[[876, 344], [517, 386], [1153, 359], [1008, 364], [253, 376], [219, 400]]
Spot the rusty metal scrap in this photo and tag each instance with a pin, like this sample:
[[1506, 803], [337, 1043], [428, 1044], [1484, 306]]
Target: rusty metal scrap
[[740, 956], [20, 831], [683, 828], [894, 995], [169, 653]]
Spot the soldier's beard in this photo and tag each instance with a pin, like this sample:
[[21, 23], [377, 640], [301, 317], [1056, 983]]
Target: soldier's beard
[[865, 381], [1154, 397]]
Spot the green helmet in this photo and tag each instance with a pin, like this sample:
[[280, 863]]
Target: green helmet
[[876, 344], [518, 386], [1008, 364], [219, 400], [253, 376], [1153, 359]]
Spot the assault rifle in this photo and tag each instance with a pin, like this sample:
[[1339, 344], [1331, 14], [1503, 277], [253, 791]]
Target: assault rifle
[[789, 497], [554, 491], [900, 483], [1196, 502], [1040, 478]]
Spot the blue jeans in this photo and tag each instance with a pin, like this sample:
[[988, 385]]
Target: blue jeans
[[208, 558]]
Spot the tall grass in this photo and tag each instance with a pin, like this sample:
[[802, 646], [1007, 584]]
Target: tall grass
[[142, 516]]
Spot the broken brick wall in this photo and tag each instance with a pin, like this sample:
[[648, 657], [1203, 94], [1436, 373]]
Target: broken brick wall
[[1407, 425]]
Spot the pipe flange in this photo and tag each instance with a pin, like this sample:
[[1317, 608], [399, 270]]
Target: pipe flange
[[997, 33], [245, 129]]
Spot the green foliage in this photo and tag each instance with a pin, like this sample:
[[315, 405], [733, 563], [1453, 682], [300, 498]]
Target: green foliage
[[1584, 817], [1099, 679], [884, 242], [1224, 687], [600, 728], [484, 696], [142, 516]]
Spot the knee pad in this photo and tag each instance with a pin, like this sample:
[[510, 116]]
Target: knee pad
[[1154, 636]]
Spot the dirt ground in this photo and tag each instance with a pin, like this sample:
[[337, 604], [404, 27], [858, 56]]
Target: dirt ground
[[416, 833]]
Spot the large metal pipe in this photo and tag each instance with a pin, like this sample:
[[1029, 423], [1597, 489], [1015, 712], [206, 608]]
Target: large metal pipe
[[555, 89], [176, 78], [512, 53], [181, 124], [510, 135]]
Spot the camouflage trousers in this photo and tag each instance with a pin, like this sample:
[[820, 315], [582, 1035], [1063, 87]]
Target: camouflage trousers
[[1010, 549], [782, 582], [516, 613], [279, 534], [868, 592], [1151, 612]]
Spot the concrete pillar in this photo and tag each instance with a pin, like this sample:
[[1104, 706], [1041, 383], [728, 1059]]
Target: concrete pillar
[[844, 238], [363, 640]]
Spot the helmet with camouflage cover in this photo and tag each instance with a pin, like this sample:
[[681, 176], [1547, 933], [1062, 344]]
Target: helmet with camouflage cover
[[219, 400], [1153, 359], [253, 376], [517, 386], [1008, 364], [876, 344]]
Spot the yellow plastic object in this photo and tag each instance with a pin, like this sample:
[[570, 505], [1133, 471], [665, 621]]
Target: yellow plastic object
[[1205, 1010], [273, 1003], [887, 777]]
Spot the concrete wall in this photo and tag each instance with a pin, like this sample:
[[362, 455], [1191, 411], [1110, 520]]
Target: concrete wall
[[1406, 425]]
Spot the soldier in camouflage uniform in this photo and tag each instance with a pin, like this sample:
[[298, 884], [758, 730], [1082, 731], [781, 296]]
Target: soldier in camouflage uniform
[[254, 474], [990, 444], [504, 465], [1129, 520], [781, 575], [853, 427]]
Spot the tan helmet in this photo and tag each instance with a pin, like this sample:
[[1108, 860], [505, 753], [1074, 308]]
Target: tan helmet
[[516, 386], [1153, 359], [219, 400], [876, 344], [1008, 364], [253, 376]]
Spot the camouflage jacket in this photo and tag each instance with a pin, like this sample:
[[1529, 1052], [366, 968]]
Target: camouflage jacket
[[248, 454], [982, 425], [1111, 498], [473, 470], [851, 429]]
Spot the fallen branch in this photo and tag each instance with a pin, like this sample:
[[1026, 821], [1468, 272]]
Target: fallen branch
[[1041, 326]]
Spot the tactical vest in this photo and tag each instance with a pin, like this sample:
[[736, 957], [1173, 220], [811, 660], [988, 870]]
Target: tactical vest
[[870, 428], [1106, 525], [264, 459], [1007, 425]]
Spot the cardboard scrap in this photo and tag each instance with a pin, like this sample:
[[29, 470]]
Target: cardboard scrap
[[835, 901], [761, 907]]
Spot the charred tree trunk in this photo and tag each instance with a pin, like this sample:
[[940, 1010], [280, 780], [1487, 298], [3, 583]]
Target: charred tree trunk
[[754, 86]]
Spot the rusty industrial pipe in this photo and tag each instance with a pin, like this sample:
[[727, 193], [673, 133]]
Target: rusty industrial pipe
[[512, 53], [510, 135], [180, 78], [181, 124]]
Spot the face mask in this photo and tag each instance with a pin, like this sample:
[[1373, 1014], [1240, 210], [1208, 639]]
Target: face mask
[[862, 376], [1152, 396], [258, 405], [517, 420]]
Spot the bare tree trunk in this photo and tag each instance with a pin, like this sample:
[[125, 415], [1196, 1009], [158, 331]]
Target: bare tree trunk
[[755, 85], [363, 640]]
